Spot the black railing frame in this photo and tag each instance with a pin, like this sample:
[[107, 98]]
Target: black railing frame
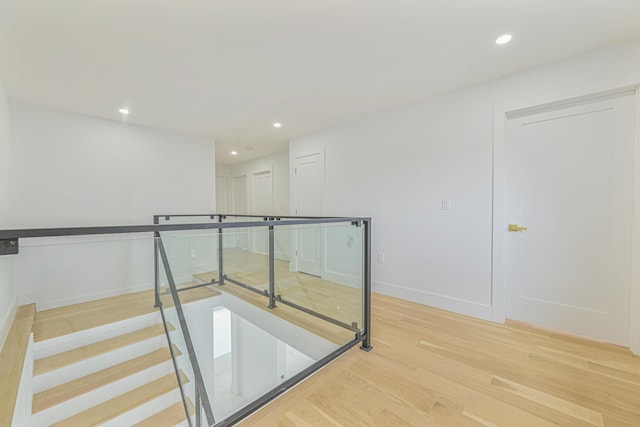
[[362, 336]]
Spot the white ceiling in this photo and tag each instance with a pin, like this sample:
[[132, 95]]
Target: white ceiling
[[227, 69]]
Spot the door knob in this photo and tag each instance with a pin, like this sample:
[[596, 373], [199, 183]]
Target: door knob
[[516, 227]]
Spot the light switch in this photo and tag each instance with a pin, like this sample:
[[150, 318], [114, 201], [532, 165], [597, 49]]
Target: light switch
[[446, 204]]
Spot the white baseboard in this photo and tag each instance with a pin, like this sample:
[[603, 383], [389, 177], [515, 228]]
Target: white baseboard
[[283, 256], [205, 267], [45, 305], [341, 278], [25, 298], [6, 321], [457, 305]]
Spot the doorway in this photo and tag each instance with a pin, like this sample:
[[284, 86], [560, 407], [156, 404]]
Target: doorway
[[261, 204], [568, 217], [308, 185]]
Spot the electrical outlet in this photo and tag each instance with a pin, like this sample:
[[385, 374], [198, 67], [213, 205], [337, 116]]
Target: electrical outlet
[[194, 254], [380, 258]]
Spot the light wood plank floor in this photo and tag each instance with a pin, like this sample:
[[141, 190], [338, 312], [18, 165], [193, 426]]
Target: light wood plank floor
[[431, 367], [340, 302]]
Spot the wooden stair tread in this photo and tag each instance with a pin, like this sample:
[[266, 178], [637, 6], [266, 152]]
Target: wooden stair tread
[[69, 319], [169, 417], [56, 395], [123, 403], [70, 357], [12, 360], [66, 320]]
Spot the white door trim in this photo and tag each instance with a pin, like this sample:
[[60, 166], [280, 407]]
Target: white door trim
[[252, 190], [293, 199], [500, 118]]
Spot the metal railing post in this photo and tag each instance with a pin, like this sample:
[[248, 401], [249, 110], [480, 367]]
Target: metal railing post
[[156, 235], [198, 408], [366, 343], [272, 265], [220, 253]]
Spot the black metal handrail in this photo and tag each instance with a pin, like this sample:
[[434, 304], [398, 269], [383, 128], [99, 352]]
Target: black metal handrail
[[129, 229], [9, 245]]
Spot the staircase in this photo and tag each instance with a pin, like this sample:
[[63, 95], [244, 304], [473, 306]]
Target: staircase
[[108, 363], [116, 374]]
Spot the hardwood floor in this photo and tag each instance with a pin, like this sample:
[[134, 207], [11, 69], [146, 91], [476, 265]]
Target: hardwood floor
[[432, 367], [340, 302]]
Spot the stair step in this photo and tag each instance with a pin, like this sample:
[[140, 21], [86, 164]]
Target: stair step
[[48, 364], [124, 403], [63, 343], [62, 393], [170, 417], [71, 319]]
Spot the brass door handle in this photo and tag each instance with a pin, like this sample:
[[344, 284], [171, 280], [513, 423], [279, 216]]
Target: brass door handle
[[515, 227]]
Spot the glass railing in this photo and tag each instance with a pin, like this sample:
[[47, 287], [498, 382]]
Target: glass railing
[[293, 295], [251, 305]]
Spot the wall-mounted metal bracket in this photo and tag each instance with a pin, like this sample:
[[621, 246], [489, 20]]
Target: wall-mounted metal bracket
[[8, 246]]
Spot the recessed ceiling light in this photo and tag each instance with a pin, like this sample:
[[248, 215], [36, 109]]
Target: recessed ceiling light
[[503, 39], [234, 153], [123, 111], [277, 125]]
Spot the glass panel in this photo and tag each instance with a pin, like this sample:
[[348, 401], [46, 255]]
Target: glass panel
[[246, 349], [106, 285], [246, 253], [326, 277]]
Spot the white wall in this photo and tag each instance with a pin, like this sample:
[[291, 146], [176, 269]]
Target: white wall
[[397, 167], [74, 170], [7, 295]]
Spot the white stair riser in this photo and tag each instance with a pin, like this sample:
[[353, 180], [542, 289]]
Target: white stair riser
[[94, 335], [101, 395], [145, 411], [83, 368]]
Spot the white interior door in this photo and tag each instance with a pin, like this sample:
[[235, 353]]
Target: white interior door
[[570, 183], [309, 188], [262, 204], [223, 195], [240, 201]]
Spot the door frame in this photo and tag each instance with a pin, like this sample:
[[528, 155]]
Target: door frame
[[252, 190], [252, 203], [234, 200], [293, 200], [499, 226]]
